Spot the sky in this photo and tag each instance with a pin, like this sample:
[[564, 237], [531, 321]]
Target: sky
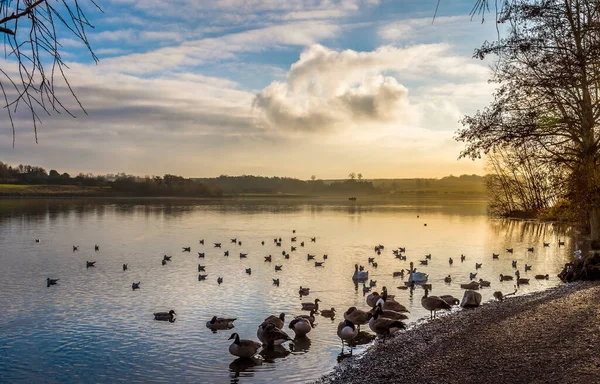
[[202, 88]]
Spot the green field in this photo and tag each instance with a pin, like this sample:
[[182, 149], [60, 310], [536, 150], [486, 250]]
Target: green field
[[38, 190]]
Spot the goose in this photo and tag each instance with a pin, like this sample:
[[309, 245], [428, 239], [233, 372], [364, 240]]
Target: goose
[[448, 279], [359, 275], [505, 278], [90, 264], [495, 256], [300, 326], [164, 262], [278, 268], [240, 242], [433, 304], [201, 241], [278, 321], [372, 283], [428, 256], [541, 277], [357, 317], [372, 299], [325, 257], [365, 289], [384, 326], [310, 257], [546, 244], [217, 245], [514, 263], [286, 256], [462, 257], [484, 283], [527, 267], [304, 291], [392, 306], [398, 274], [268, 258], [478, 265], [219, 280], [278, 244], [385, 296], [311, 306], [276, 282], [302, 244], [472, 276], [310, 317], [371, 259], [200, 255], [96, 248], [279, 240], [226, 253], [328, 313], [450, 261], [347, 332], [37, 240], [243, 348], [450, 299], [319, 263], [424, 262], [374, 265], [283, 253], [401, 249], [75, 248], [473, 285], [185, 249], [292, 249], [167, 258], [402, 257], [313, 239], [135, 286], [243, 255], [249, 271], [530, 249], [165, 316], [262, 242], [202, 277], [124, 267], [509, 250], [234, 240], [201, 268], [50, 281], [293, 239], [270, 335], [498, 295], [522, 281], [387, 313]]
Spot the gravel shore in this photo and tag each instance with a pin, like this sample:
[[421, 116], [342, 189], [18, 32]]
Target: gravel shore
[[547, 337]]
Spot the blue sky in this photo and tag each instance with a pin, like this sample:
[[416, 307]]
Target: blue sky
[[267, 87]]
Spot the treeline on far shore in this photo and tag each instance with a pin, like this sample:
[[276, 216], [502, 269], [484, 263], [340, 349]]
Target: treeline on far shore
[[35, 180]]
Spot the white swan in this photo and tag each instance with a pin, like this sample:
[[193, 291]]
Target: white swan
[[360, 275]]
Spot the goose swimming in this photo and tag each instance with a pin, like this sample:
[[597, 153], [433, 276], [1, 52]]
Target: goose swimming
[[165, 316], [220, 323], [243, 348], [311, 306]]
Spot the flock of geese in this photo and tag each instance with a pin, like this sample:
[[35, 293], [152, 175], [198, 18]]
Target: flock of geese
[[384, 315]]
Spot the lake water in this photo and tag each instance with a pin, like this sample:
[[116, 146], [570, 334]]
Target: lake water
[[91, 327]]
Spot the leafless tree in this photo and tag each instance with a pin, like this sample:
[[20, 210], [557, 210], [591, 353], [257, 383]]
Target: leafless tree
[[33, 72]]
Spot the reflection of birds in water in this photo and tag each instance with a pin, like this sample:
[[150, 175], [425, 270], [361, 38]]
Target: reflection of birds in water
[[301, 344], [242, 364]]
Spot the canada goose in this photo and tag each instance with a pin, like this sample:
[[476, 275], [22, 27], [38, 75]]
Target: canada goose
[[472, 276], [75, 248], [234, 241], [484, 283], [37, 240], [391, 306], [219, 280], [546, 244], [313, 239], [359, 275], [424, 262], [217, 245], [387, 313], [527, 267], [90, 264], [201, 241], [200, 255], [448, 279], [311, 306], [319, 263], [522, 281], [226, 253], [270, 335], [243, 348], [384, 326], [478, 265], [243, 255], [278, 321], [498, 295], [433, 304], [495, 255], [384, 294], [462, 257], [542, 277], [300, 326], [201, 268], [50, 281], [310, 257], [398, 274], [514, 263], [249, 271], [428, 256], [356, 316], [124, 267], [372, 299], [530, 249], [164, 316], [473, 285], [185, 249], [310, 317], [202, 277], [135, 286], [328, 313], [278, 268], [164, 262], [509, 250], [167, 258], [450, 261], [347, 332], [96, 248], [505, 278], [304, 291], [267, 258], [276, 282], [450, 299], [292, 249]]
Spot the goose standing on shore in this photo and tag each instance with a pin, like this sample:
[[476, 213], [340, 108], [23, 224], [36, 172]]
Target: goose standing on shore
[[357, 317], [384, 326], [433, 304], [347, 332], [243, 348], [301, 326]]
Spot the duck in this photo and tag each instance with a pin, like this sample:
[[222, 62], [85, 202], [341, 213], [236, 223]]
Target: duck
[[521, 281], [462, 257], [276, 282], [447, 279], [201, 255], [319, 263], [300, 326], [542, 277], [135, 286], [201, 268], [96, 248], [262, 242], [226, 253], [498, 296], [347, 332], [384, 326], [278, 268], [278, 321], [325, 257], [313, 239], [163, 262], [286, 256], [424, 262], [304, 291], [509, 250], [90, 264], [495, 255], [473, 285], [398, 274], [217, 245], [75, 248], [270, 335], [450, 261], [310, 257], [292, 249], [426, 286], [365, 289], [478, 265], [293, 239], [310, 317], [371, 260], [450, 299], [311, 306], [38, 240], [484, 283], [165, 316], [433, 304], [546, 244], [50, 281], [268, 258], [201, 241], [220, 323], [202, 277], [505, 278], [186, 249], [328, 313], [359, 275], [219, 280], [472, 276], [125, 267], [372, 283], [243, 348], [249, 271], [302, 243], [527, 267], [167, 258], [357, 316], [243, 255], [428, 256], [514, 263], [374, 265], [530, 249], [234, 240]]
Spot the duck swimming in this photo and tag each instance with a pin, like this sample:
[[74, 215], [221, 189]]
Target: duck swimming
[[165, 316], [220, 323]]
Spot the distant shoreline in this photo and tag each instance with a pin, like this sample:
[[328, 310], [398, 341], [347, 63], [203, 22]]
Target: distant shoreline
[[548, 336]]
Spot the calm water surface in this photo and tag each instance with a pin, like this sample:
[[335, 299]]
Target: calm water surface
[[92, 327]]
